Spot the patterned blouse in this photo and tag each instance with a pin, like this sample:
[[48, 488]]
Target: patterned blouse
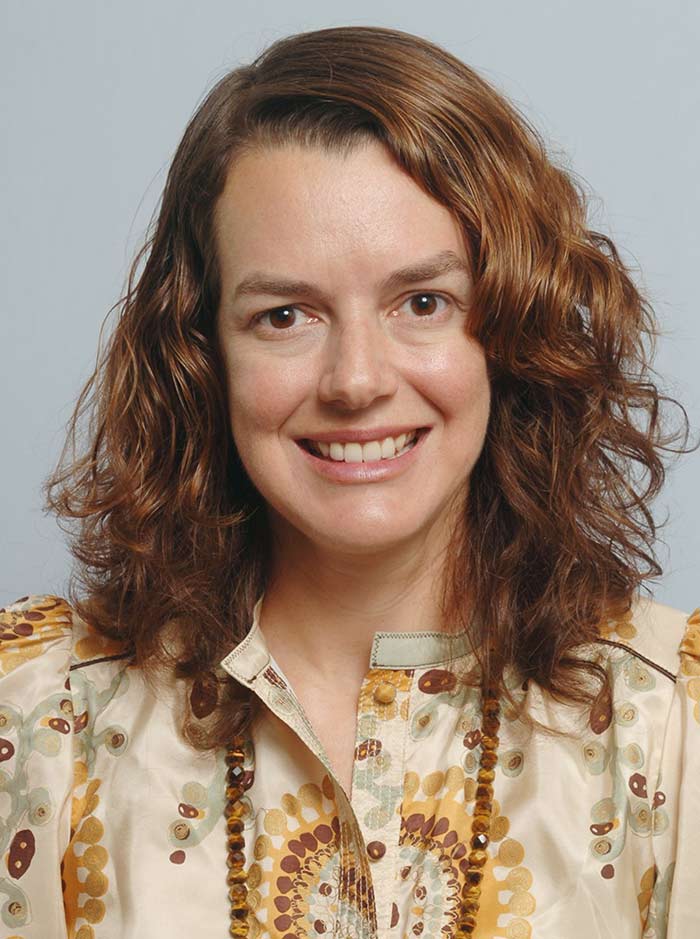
[[112, 826]]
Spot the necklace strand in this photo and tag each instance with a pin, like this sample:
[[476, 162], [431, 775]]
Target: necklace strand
[[236, 878]]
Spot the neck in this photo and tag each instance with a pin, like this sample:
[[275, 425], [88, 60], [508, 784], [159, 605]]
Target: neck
[[322, 607]]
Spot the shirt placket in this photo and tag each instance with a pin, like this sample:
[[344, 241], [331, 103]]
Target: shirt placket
[[256, 670], [378, 780]]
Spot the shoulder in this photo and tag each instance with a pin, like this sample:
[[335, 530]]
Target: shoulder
[[657, 635], [47, 626]]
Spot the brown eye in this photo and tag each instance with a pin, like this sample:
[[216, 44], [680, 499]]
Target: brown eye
[[424, 303], [281, 317]]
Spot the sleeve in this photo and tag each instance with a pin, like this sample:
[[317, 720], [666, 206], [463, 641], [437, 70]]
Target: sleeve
[[674, 910], [36, 765]]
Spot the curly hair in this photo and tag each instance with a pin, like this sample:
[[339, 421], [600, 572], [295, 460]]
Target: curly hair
[[557, 534]]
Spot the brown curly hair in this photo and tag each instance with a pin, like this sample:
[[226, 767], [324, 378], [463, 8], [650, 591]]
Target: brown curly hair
[[558, 536]]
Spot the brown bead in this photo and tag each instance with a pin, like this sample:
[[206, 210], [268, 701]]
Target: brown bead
[[236, 875], [489, 742], [235, 859], [474, 877], [483, 807], [484, 791], [234, 757], [477, 858], [481, 824], [486, 775], [235, 824], [471, 892], [468, 921], [235, 842], [234, 795], [479, 841], [470, 906], [238, 928], [489, 758], [237, 893]]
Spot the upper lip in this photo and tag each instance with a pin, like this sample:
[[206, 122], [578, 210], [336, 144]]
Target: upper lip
[[362, 436]]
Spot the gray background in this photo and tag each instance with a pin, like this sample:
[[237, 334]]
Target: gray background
[[95, 96]]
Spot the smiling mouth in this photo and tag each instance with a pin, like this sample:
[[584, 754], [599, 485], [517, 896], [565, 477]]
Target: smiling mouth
[[372, 452]]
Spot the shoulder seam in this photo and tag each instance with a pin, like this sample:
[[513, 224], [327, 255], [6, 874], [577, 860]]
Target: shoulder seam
[[632, 651], [104, 658]]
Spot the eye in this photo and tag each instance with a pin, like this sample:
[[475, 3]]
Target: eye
[[425, 305], [280, 318]]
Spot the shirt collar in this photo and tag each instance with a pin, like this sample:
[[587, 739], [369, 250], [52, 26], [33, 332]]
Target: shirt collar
[[395, 650]]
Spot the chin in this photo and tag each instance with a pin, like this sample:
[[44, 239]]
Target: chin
[[363, 539]]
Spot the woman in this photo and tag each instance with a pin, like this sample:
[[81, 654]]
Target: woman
[[362, 536]]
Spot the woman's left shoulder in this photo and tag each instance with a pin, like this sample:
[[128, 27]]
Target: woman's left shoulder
[[663, 637]]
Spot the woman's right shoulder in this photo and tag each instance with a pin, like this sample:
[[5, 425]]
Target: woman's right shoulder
[[47, 628]]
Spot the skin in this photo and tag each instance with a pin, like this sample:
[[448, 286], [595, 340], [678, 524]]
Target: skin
[[348, 559]]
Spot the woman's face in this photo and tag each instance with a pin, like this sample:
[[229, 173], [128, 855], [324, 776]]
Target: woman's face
[[367, 280]]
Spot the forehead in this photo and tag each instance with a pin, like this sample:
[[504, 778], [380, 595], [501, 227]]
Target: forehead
[[323, 212]]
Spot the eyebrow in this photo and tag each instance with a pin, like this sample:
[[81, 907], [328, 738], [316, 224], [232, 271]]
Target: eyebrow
[[444, 262]]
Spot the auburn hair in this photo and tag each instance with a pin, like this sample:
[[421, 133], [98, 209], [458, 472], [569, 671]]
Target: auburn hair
[[557, 535]]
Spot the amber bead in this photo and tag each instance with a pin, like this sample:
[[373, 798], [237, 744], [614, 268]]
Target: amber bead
[[234, 823], [235, 859], [481, 824], [236, 875], [479, 841], [483, 807], [234, 757], [477, 858], [471, 892], [474, 877], [233, 794], [236, 842], [486, 775], [489, 758], [237, 893], [489, 742], [238, 928], [484, 791], [468, 922], [491, 708]]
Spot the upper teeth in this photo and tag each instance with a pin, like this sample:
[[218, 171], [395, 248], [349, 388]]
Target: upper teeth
[[365, 452]]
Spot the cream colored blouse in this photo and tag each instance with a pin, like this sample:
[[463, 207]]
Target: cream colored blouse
[[111, 825]]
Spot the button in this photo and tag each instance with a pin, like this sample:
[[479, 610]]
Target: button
[[384, 693], [376, 850]]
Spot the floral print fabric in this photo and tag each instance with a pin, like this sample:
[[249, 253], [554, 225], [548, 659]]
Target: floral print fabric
[[111, 825]]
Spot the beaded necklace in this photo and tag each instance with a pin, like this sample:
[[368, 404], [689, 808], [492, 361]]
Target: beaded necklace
[[481, 826]]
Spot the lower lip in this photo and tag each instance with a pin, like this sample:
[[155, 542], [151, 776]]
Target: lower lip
[[374, 471]]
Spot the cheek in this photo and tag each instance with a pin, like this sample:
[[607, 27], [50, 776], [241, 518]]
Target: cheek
[[456, 380], [262, 394]]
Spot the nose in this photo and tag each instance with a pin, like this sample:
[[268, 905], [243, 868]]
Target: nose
[[358, 365]]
